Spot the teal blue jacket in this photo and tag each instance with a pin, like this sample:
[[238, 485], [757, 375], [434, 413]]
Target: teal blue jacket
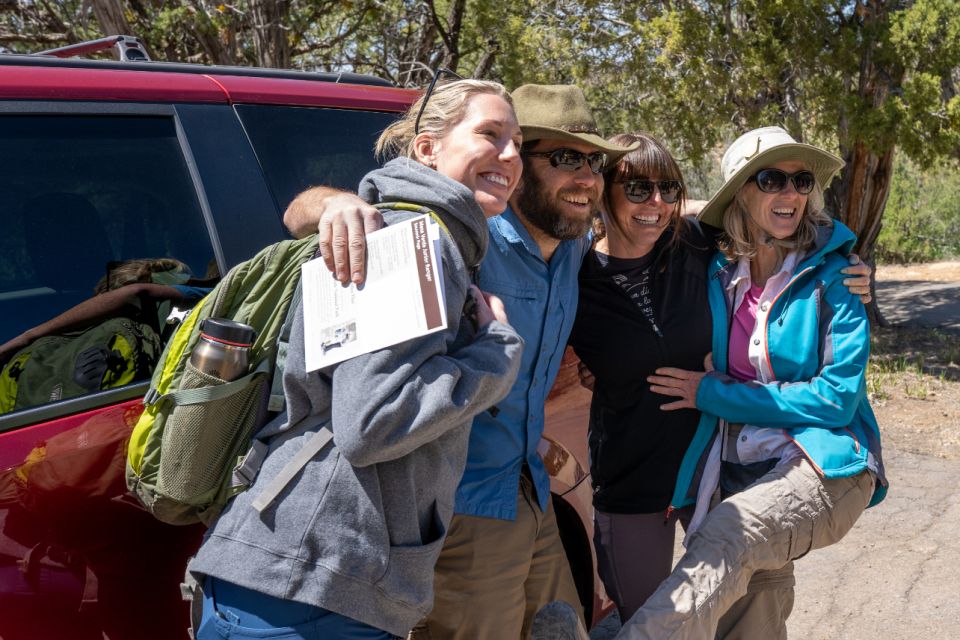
[[817, 344]]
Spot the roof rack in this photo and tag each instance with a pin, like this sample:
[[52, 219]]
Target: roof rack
[[126, 49]]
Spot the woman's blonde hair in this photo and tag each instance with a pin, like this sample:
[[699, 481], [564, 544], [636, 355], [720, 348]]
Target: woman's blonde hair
[[446, 107], [650, 160], [740, 240]]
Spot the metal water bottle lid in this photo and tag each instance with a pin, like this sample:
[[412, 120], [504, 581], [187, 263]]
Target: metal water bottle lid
[[235, 334]]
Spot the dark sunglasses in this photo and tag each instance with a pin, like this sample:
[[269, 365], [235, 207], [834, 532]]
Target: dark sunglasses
[[571, 159], [429, 92], [640, 190], [775, 180]]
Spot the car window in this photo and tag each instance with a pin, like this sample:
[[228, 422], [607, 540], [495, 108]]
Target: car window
[[304, 147], [91, 199]]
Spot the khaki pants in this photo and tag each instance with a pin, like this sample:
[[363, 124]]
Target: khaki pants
[[494, 575], [736, 577]]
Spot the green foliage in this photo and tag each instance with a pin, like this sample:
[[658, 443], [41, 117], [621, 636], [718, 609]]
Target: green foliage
[[922, 219], [868, 79]]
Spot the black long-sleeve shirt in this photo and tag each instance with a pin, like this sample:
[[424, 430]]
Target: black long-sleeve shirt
[[635, 315]]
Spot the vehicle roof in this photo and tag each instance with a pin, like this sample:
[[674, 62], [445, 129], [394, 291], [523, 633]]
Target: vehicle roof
[[42, 78]]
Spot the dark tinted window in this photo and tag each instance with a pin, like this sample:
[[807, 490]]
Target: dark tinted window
[[303, 147], [81, 194]]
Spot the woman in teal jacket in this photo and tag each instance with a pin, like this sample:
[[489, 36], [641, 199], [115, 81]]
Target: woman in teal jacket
[[789, 454]]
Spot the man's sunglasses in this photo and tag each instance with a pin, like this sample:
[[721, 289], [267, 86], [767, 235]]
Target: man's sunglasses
[[640, 190], [571, 159], [429, 92], [775, 180]]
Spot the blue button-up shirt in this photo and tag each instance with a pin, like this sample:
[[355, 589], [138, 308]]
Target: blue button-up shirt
[[541, 302]]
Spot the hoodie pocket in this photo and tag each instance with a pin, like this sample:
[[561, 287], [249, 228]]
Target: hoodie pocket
[[409, 575]]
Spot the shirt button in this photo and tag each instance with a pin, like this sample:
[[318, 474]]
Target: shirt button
[[743, 438], [764, 306], [756, 341]]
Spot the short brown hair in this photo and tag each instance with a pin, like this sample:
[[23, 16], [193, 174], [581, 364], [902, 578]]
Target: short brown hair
[[650, 160]]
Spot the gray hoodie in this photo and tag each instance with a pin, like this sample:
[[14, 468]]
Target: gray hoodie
[[359, 529]]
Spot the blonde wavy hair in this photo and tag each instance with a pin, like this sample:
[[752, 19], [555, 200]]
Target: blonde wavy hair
[[446, 107], [740, 240]]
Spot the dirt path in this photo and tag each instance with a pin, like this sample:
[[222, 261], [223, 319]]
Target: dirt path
[[893, 577], [921, 295]]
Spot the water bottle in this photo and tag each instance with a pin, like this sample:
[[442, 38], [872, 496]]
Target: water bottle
[[223, 348]]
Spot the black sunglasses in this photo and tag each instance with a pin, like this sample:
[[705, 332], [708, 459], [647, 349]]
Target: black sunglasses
[[429, 92], [640, 190], [570, 159], [775, 180]]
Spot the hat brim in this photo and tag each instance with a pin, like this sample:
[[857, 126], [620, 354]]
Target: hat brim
[[822, 163], [614, 152]]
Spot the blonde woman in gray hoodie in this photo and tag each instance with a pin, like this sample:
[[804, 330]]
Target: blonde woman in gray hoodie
[[347, 549]]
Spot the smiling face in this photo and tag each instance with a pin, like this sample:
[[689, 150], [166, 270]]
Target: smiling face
[[482, 151], [633, 228], [557, 202], [776, 215]]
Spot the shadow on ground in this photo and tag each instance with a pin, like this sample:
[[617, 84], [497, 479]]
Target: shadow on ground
[[914, 303]]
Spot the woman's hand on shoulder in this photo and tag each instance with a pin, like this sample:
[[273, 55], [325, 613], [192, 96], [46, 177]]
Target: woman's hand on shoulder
[[859, 285]]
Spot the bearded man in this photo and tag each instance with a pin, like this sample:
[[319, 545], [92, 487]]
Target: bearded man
[[503, 558]]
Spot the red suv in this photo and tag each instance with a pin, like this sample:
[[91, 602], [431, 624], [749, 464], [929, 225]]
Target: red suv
[[113, 161]]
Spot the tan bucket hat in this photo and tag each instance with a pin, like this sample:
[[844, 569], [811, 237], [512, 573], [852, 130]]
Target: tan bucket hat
[[757, 150], [560, 112]]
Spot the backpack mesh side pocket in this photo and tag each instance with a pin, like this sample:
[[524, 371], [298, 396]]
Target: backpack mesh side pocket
[[202, 441]]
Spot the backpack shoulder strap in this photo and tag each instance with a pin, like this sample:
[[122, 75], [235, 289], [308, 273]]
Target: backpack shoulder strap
[[414, 208], [312, 447], [276, 403]]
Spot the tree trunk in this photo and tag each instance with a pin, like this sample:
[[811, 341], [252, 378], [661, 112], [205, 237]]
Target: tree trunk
[[866, 186], [269, 34], [112, 20], [860, 194]]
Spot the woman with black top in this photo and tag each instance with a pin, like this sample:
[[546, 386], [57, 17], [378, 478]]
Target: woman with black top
[[643, 305]]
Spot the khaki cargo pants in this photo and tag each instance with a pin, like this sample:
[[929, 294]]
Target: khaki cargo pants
[[494, 575], [736, 578]]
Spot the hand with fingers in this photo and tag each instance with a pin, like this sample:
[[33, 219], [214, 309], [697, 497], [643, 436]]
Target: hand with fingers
[[679, 383], [859, 285], [342, 221]]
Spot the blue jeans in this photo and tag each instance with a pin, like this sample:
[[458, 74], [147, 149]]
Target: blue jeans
[[231, 611]]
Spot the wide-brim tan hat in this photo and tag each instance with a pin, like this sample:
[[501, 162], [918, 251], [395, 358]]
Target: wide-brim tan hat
[[560, 112], [756, 150]]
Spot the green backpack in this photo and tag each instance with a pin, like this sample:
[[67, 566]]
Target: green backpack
[[110, 354], [196, 428], [193, 447]]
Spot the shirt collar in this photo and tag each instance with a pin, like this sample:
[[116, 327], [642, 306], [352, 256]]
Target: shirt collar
[[786, 271], [513, 230]]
